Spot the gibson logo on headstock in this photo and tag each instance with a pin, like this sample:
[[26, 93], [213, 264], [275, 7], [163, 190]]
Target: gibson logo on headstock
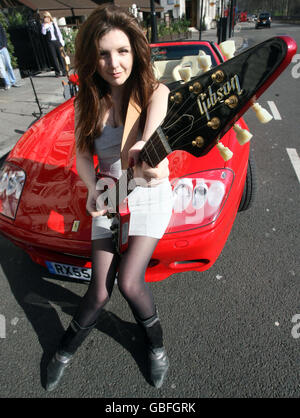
[[207, 101]]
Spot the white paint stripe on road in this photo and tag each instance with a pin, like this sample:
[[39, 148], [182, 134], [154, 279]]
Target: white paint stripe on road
[[274, 110], [295, 160]]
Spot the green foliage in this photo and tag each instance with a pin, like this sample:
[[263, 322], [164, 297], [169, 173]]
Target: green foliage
[[176, 27], [163, 30], [16, 19], [4, 22], [69, 35]]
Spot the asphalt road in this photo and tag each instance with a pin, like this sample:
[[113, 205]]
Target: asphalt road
[[229, 331]]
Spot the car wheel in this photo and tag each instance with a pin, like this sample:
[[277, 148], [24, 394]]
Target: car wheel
[[250, 186]]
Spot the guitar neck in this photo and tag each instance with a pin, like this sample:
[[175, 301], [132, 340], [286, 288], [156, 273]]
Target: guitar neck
[[155, 149]]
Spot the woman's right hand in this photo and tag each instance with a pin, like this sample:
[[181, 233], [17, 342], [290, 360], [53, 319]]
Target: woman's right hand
[[91, 203]]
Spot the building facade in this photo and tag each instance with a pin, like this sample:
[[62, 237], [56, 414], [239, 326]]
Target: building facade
[[175, 8]]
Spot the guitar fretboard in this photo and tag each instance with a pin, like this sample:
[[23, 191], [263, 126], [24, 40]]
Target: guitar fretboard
[[155, 149]]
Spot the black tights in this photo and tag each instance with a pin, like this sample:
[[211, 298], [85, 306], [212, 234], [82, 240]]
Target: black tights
[[131, 278]]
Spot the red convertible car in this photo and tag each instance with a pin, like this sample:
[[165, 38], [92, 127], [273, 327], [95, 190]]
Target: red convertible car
[[42, 198]]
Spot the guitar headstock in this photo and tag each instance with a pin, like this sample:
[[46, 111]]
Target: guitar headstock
[[202, 110]]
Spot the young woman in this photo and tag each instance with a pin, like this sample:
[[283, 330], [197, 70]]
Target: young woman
[[54, 41], [113, 64]]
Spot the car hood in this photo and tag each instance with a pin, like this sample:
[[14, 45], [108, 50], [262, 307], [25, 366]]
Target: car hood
[[53, 196]]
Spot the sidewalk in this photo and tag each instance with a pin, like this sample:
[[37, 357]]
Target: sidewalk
[[211, 35], [18, 105]]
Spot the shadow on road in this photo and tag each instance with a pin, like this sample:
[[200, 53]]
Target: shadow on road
[[40, 299]]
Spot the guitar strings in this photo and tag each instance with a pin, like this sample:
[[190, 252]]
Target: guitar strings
[[156, 143], [169, 111], [167, 121], [197, 121], [175, 137]]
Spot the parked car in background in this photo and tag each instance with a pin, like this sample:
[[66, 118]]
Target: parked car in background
[[264, 20], [252, 18], [43, 200]]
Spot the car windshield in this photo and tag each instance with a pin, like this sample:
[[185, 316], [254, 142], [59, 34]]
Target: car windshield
[[264, 16], [166, 58], [175, 52]]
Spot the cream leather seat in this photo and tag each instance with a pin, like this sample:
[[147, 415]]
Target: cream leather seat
[[163, 69], [189, 61]]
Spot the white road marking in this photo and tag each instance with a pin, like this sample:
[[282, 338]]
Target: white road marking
[[274, 110], [295, 160]]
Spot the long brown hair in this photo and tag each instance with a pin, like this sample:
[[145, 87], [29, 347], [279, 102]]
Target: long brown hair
[[93, 99]]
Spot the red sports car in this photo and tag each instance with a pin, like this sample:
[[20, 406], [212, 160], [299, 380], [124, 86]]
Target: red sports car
[[42, 198]]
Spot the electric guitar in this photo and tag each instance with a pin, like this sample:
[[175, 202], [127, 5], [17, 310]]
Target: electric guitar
[[201, 111]]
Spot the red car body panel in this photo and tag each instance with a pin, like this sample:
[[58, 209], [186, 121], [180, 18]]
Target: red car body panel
[[54, 196]]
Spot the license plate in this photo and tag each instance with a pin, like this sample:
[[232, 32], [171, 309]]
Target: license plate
[[81, 273]]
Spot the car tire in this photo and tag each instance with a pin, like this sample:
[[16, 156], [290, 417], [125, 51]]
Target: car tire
[[250, 187]]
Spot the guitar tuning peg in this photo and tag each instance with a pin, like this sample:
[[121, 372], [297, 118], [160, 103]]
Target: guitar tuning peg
[[242, 135], [225, 152], [262, 114], [227, 48], [204, 62], [185, 74]]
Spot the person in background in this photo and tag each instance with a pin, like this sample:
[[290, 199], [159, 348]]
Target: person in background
[[6, 70], [55, 42]]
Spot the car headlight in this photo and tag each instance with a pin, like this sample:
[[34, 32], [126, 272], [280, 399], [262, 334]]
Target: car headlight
[[216, 193], [182, 194], [199, 198], [12, 180]]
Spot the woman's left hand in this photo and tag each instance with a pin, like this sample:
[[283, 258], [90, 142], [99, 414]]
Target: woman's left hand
[[143, 170]]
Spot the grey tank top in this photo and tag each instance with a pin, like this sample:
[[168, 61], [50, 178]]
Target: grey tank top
[[108, 147]]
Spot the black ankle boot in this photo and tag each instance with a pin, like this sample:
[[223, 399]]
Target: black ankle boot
[[157, 356], [71, 340]]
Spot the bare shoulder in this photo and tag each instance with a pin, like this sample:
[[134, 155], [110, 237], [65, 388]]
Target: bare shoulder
[[161, 92]]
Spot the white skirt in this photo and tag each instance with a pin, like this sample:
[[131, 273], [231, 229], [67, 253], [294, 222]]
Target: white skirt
[[150, 213]]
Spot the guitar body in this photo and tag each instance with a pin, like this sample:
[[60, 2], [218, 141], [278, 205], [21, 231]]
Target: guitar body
[[121, 218], [122, 229]]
